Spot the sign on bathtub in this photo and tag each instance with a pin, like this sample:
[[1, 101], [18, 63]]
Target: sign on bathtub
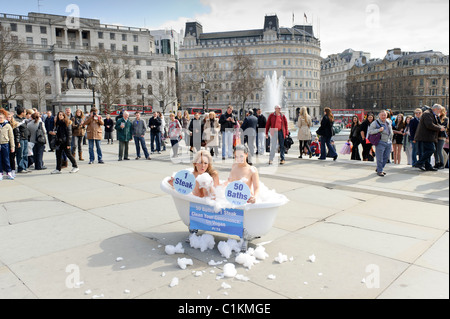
[[226, 221], [184, 182], [238, 193]]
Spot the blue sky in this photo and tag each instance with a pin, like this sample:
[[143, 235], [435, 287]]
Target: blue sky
[[373, 26], [125, 12]]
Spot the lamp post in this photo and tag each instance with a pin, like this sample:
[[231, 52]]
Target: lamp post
[[143, 97], [203, 88], [93, 83]]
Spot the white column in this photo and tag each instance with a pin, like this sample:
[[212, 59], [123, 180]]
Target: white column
[[66, 37], [58, 77], [80, 34]]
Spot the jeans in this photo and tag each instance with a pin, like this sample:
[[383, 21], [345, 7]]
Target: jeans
[[426, 149], [439, 152], [227, 144], [175, 145], [155, 137], [414, 153], [123, 149], [4, 159], [323, 151], [261, 142], [77, 141], [276, 141], [38, 154], [139, 141], [91, 150], [22, 156], [382, 152]]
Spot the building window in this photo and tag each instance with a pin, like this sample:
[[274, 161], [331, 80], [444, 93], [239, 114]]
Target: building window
[[47, 71], [14, 27], [124, 48], [29, 40], [136, 50], [112, 36], [124, 37], [135, 38], [44, 42], [100, 35], [138, 75], [48, 88], [43, 30], [149, 75], [28, 28]]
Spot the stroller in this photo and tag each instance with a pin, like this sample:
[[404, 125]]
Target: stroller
[[288, 142]]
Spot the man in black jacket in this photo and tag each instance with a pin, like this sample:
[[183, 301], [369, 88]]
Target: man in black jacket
[[22, 148], [413, 124], [249, 127], [49, 126], [227, 122], [261, 138], [426, 136], [155, 134]]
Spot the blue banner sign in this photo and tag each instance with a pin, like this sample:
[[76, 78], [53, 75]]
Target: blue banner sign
[[226, 221]]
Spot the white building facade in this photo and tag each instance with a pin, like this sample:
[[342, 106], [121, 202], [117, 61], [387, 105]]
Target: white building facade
[[333, 77], [290, 52], [53, 41]]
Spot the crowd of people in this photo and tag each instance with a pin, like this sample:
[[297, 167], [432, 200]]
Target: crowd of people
[[25, 135]]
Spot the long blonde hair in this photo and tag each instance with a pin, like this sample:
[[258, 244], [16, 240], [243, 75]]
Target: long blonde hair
[[210, 170], [304, 113]]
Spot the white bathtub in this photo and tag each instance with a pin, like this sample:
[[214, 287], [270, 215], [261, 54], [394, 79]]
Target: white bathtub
[[258, 218]]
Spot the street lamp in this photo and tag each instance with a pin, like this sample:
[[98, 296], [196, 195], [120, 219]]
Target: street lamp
[[205, 93], [143, 97], [93, 83]]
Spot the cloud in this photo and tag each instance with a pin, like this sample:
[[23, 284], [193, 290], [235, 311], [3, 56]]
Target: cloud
[[371, 26]]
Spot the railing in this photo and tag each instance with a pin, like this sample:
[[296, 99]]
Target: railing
[[24, 18]]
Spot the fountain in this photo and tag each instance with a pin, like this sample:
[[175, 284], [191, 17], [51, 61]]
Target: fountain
[[274, 92]]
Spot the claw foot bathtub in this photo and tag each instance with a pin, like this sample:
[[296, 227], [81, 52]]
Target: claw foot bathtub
[[258, 218]]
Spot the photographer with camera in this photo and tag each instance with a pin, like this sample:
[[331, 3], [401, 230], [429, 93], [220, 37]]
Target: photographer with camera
[[94, 132]]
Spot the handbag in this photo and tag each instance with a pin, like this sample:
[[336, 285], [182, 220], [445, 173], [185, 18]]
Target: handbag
[[40, 136], [346, 149], [374, 139]]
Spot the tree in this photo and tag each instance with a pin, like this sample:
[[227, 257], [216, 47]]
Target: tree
[[203, 68], [245, 78], [113, 73], [163, 89], [14, 73]]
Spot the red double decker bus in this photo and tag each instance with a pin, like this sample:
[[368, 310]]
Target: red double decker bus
[[345, 115]]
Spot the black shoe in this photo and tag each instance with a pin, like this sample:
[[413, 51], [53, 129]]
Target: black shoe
[[335, 158], [421, 167], [431, 169]]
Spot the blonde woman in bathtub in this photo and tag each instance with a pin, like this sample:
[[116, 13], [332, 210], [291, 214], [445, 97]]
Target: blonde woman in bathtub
[[203, 165], [242, 171]]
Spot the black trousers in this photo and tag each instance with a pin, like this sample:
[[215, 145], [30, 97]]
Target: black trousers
[[60, 149]]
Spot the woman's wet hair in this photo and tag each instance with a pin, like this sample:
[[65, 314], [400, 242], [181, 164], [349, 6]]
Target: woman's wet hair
[[243, 148]]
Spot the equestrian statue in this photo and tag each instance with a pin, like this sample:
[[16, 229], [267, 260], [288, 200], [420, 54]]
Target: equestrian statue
[[81, 71]]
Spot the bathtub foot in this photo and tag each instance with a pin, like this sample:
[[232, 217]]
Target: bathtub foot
[[244, 246]]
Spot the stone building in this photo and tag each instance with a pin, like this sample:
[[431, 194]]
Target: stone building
[[51, 43], [333, 77], [402, 81], [290, 52]]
